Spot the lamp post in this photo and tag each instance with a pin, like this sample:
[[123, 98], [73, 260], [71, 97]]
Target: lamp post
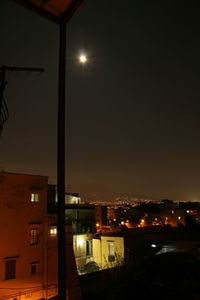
[[61, 165], [60, 12]]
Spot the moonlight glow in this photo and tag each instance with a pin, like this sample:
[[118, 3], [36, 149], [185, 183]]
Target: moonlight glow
[[82, 58]]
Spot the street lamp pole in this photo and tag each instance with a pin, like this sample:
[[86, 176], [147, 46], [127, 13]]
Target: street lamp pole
[[61, 164], [59, 12]]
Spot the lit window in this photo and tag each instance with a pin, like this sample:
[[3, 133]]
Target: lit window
[[34, 233], [35, 197], [80, 241], [53, 231], [80, 245]]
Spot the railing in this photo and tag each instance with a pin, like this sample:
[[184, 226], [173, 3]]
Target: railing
[[29, 292]]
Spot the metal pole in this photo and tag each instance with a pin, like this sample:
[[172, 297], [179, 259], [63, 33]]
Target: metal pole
[[61, 165], [2, 85], [22, 69]]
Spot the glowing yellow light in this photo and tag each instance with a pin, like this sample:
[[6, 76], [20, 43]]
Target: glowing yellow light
[[142, 221], [53, 231], [82, 58], [188, 211], [179, 217], [97, 224], [122, 222], [80, 241]]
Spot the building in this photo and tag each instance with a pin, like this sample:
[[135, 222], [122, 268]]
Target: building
[[23, 228], [101, 215], [28, 254], [86, 244], [109, 251]]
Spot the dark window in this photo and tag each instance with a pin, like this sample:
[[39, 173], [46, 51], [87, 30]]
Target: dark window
[[111, 258], [111, 251], [88, 248], [10, 272], [34, 269]]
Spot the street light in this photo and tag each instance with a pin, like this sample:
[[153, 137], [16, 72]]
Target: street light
[[60, 12]]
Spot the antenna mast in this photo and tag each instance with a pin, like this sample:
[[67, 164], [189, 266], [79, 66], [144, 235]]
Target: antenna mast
[[4, 113]]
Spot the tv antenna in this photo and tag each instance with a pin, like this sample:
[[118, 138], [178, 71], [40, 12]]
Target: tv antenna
[[4, 113]]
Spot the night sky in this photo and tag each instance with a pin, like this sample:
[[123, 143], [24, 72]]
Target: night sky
[[133, 112]]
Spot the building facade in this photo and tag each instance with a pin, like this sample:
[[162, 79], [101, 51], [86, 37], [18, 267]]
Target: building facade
[[23, 228], [28, 254]]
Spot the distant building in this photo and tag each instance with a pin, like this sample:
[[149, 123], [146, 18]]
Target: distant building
[[111, 215], [101, 215]]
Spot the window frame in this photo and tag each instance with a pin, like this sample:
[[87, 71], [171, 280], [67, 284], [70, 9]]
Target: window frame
[[111, 251], [34, 266], [35, 197], [34, 236], [9, 272]]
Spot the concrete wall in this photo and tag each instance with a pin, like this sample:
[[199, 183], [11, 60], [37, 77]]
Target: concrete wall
[[96, 248], [17, 216], [101, 251]]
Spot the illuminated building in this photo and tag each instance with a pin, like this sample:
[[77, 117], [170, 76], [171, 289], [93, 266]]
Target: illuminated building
[[23, 229], [86, 245], [28, 228]]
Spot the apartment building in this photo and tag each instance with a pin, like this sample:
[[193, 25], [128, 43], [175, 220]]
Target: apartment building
[[28, 253], [23, 229]]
